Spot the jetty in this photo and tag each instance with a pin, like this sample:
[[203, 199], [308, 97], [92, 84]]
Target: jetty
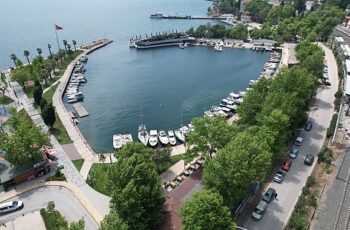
[[80, 110]]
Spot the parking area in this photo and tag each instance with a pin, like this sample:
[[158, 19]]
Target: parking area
[[28, 221]]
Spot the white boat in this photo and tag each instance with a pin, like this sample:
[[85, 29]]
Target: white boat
[[163, 138], [143, 134], [157, 15], [172, 139], [184, 129], [84, 58], [218, 48], [179, 135], [191, 127], [153, 138], [182, 45], [252, 82], [126, 138], [78, 95], [117, 141]]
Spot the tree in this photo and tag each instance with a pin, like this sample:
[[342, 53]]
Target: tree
[[14, 59], [26, 54], [21, 75], [70, 52], [101, 158], [3, 87], [79, 225], [49, 46], [43, 102], [39, 51], [112, 221], [160, 156], [206, 211], [65, 45], [239, 31], [74, 44], [48, 114], [258, 9], [37, 95], [23, 147], [137, 194], [210, 134]]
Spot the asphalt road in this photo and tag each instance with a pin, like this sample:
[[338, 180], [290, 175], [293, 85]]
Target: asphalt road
[[66, 203], [280, 210]]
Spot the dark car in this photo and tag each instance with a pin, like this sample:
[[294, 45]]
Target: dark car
[[287, 163], [309, 159], [308, 126], [326, 82], [293, 153], [279, 177], [269, 195]]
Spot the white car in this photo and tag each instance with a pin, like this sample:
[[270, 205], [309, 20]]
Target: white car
[[10, 206]]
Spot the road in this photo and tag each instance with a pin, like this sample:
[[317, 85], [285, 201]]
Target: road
[[280, 210], [66, 203]]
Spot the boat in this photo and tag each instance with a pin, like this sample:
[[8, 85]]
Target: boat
[[184, 129], [163, 138], [157, 15], [179, 135], [117, 141], [182, 45], [190, 127], [172, 139], [126, 138], [74, 100], [153, 138], [218, 48], [84, 58], [78, 95], [143, 134], [173, 39]]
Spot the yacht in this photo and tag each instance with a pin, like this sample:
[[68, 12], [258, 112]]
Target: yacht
[[153, 138], [163, 138], [117, 141], [184, 129], [179, 135], [172, 139], [143, 134], [126, 138], [157, 15]]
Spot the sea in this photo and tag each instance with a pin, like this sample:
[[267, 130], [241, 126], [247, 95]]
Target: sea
[[166, 87]]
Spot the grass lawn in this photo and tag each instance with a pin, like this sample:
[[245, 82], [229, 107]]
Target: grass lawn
[[53, 220], [5, 100], [49, 94], [78, 163], [99, 178], [60, 132]]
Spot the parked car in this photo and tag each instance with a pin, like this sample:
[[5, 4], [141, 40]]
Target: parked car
[[326, 82], [308, 126], [59, 167], [280, 175], [269, 195], [287, 164], [259, 210], [309, 159], [10, 206], [293, 153], [299, 141]]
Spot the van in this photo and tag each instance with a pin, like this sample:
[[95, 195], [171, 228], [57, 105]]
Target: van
[[259, 210], [299, 141], [10, 206]]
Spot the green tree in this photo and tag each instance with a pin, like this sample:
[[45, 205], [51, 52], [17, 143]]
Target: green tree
[[137, 194], [239, 31], [74, 44], [258, 9], [112, 221], [21, 75], [161, 156], [70, 52], [37, 95], [39, 51], [49, 115], [26, 54], [65, 45], [14, 59], [43, 102], [49, 46], [79, 225], [206, 211], [3, 87]]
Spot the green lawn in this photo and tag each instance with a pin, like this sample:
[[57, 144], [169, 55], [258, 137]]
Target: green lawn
[[53, 220], [49, 94], [5, 100], [98, 178], [60, 132], [78, 163]]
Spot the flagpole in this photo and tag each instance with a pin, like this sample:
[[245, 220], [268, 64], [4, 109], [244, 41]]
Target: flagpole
[[58, 44]]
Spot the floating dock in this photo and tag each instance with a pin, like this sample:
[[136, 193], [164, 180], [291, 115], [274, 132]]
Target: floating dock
[[80, 110]]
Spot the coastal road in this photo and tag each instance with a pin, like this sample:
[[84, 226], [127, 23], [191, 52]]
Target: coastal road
[[66, 203], [280, 210]]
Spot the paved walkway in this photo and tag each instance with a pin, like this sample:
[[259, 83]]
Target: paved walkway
[[28, 221]]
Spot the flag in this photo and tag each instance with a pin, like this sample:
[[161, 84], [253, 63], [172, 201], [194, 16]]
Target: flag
[[58, 27]]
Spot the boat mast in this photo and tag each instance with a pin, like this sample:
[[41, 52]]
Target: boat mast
[[141, 116]]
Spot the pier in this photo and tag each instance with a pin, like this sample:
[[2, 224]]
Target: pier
[[80, 110], [190, 17]]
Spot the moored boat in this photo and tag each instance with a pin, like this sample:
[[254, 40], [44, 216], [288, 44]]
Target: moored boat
[[172, 139], [143, 134], [117, 141], [153, 138], [126, 138], [179, 135], [163, 138]]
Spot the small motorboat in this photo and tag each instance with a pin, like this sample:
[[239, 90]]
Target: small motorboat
[[153, 138], [163, 138], [172, 139], [218, 48], [143, 134], [179, 135], [117, 141], [126, 138]]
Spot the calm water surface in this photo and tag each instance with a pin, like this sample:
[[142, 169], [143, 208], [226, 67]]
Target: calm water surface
[[166, 82]]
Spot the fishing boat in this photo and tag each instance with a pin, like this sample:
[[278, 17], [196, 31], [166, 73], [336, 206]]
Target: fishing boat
[[172, 139], [163, 138], [153, 138], [143, 134], [126, 138], [117, 141], [179, 135]]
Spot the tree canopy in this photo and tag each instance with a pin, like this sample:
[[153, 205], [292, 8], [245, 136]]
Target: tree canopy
[[112, 221]]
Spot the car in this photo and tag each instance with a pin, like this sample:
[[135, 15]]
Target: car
[[59, 166], [293, 153], [269, 195], [309, 159], [327, 82], [308, 126], [299, 141], [259, 210], [280, 175], [10, 206], [287, 163]]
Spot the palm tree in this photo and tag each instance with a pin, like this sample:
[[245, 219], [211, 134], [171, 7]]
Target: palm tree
[[14, 58], [49, 46], [69, 50], [74, 43], [26, 54], [39, 51], [65, 45]]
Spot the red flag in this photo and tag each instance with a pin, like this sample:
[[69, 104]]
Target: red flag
[[58, 27]]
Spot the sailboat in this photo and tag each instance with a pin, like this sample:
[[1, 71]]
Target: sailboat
[[179, 133], [142, 132]]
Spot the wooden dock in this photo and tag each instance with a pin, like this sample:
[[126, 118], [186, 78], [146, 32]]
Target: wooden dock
[[80, 110]]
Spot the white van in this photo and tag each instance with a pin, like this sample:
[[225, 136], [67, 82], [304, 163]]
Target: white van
[[10, 206]]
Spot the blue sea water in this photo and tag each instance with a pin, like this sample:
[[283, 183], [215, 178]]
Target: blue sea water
[[165, 82]]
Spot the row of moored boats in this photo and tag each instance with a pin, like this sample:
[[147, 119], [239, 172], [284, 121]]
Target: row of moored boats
[[77, 79]]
